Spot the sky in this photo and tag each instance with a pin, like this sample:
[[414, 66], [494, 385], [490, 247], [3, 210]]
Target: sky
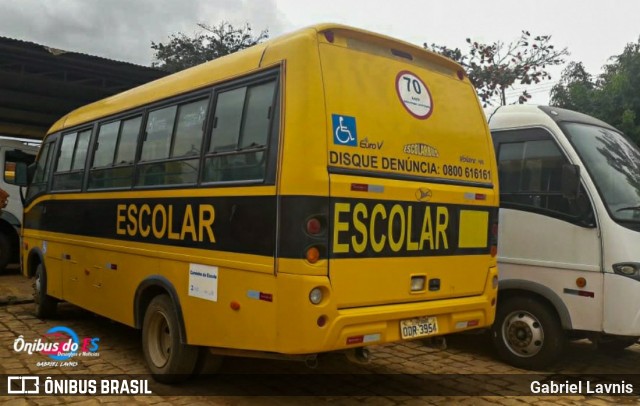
[[593, 31]]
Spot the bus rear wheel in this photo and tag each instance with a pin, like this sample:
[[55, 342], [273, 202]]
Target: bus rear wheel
[[45, 305], [527, 334], [169, 360]]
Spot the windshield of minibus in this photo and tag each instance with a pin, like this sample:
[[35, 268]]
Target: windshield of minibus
[[614, 165]]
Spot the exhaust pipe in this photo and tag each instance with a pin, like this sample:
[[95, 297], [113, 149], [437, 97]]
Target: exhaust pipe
[[360, 355]]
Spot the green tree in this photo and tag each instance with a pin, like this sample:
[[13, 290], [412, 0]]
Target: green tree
[[613, 96], [574, 89], [496, 67], [182, 51]]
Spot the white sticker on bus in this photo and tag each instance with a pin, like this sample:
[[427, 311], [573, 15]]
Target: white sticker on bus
[[203, 282], [414, 95]]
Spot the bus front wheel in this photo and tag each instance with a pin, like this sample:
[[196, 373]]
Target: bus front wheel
[[169, 360], [45, 305], [527, 333]]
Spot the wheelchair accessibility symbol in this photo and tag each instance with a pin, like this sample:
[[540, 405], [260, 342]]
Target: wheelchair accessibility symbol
[[344, 130]]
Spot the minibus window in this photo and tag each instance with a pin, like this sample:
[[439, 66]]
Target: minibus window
[[189, 131], [240, 134], [82, 145], [228, 118], [530, 174], [42, 171], [174, 135], [614, 165], [255, 128], [71, 161], [117, 139], [106, 145], [128, 141], [158, 134], [66, 152]]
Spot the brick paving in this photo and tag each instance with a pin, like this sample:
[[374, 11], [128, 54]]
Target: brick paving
[[467, 358], [14, 288]]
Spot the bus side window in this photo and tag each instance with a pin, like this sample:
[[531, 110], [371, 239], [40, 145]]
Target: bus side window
[[70, 165], [172, 144], [42, 170], [240, 135], [114, 154]]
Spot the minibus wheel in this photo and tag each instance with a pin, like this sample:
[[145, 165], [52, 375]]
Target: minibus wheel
[[527, 333], [45, 305], [169, 360]]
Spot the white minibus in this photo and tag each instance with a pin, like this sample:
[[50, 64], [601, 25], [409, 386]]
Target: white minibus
[[12, 151], [569, 237]]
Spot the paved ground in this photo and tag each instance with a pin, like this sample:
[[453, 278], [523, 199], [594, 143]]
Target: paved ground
[[14, 288], [465, 365]]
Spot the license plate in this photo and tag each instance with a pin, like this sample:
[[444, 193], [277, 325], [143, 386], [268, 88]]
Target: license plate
[[421, 327]]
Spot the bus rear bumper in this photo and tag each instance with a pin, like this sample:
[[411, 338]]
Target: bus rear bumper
[[356, 327], [368, 326]]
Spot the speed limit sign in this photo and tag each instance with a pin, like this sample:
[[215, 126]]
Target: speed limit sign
[[414, 95]]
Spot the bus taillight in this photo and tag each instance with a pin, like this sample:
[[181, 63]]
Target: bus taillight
[[314, 226], [494, 238], [312, 255], [315, 229]]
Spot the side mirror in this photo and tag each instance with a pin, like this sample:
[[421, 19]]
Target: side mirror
[[570, 181], [22, 176]]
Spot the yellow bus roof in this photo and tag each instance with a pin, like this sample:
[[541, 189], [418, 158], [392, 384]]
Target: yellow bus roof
[[208, 73]]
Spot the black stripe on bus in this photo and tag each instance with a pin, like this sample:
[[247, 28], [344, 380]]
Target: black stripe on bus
[[248, 224], [387, 228], [233, 224]]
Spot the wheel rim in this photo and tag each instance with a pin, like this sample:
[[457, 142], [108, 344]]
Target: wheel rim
[[522, 333], [159, 339]]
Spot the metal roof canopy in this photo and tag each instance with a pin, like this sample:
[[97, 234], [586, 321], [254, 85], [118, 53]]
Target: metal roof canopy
[[38, 84]]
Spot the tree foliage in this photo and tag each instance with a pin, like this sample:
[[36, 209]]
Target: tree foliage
[[496, 67], [182, 51], [574, 87], [613, 96]]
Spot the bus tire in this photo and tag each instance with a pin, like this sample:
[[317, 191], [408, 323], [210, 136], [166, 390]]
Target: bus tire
[[45, 305], [5, 251], [169, 360], [207, 363], [527, 333]]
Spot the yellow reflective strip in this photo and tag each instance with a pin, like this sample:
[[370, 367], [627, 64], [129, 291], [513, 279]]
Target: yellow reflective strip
[[473, 229]]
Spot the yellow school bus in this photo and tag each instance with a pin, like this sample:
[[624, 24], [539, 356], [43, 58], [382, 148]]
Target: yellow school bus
[[326, 190]]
